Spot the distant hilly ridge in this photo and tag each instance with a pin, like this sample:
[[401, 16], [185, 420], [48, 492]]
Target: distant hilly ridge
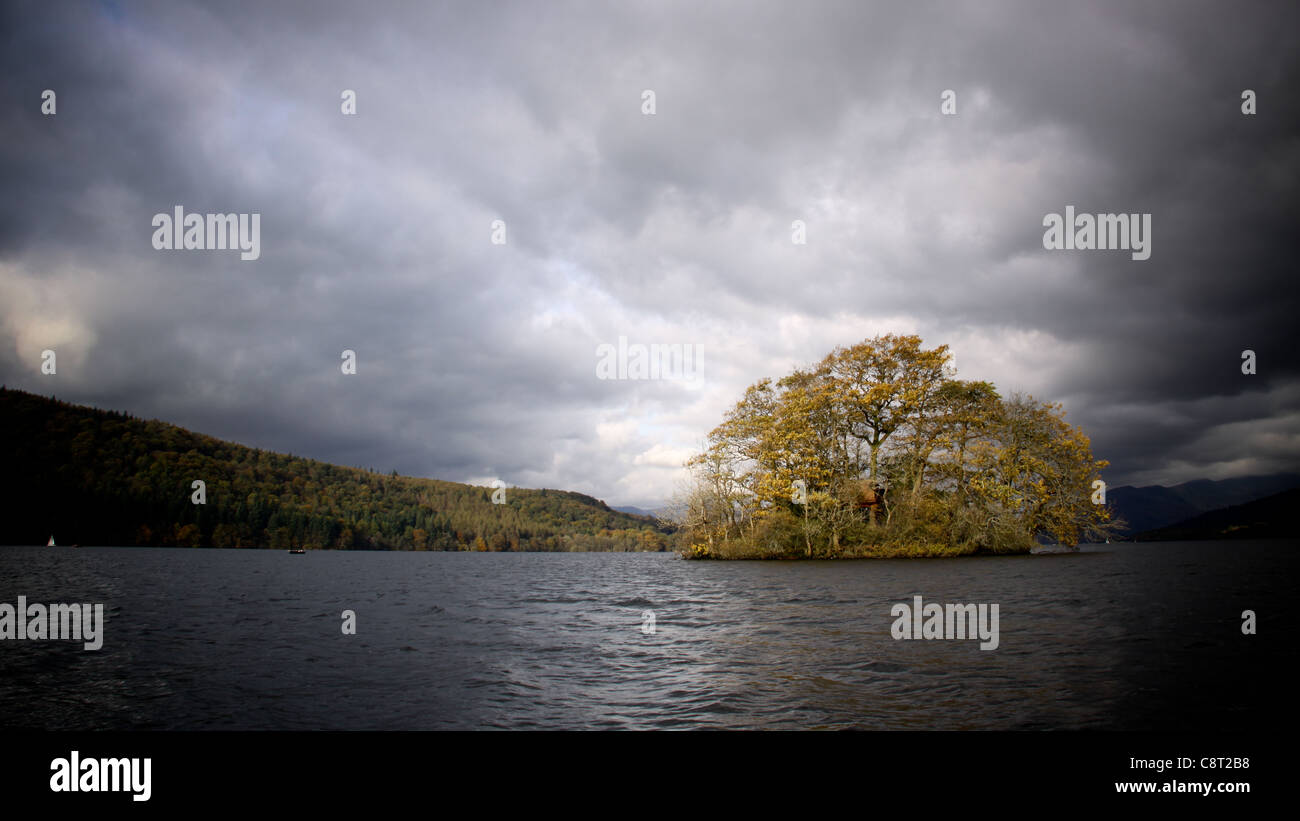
[[636, 511], [1269, 518], [1154, 506], [98, 477]]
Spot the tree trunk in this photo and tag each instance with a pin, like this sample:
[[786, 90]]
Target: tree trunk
[[807, 541], [871, 509]]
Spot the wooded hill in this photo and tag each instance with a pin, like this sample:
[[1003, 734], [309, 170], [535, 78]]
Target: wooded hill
[[96, 477]]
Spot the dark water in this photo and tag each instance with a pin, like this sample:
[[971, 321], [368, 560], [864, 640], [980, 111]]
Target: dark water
[[1114, 637]]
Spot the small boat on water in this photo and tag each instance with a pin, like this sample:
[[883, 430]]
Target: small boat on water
[[297, 550], [51, 543]]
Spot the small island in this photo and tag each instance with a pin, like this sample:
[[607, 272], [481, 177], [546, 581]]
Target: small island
[[879, 451]]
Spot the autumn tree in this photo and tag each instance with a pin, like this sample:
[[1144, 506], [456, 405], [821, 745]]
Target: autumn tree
[[882, 384], [1037, 470]]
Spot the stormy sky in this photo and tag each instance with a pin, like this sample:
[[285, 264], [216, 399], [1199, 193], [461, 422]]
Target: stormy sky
[[478, 360]]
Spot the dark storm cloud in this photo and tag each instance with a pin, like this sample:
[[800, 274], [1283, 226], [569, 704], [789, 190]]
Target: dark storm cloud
[[477, 360]]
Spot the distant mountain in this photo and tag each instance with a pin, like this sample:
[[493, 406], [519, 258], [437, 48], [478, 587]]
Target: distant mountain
[[1271, 517], [98, 477], [1155, 506], [636, 511]]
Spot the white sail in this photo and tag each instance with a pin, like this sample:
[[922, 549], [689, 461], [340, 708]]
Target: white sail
[[51, 544]]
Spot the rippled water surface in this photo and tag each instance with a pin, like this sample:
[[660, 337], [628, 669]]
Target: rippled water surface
[[1114, 637]]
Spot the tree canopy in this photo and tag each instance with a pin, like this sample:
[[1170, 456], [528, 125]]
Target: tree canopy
[[879, 450]]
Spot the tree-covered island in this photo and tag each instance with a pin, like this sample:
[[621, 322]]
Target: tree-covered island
[[879, 451]]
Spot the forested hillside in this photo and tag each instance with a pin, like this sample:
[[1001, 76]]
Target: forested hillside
[[99, 477]]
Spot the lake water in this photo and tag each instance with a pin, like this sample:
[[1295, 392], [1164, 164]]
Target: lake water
[[1115, 637]]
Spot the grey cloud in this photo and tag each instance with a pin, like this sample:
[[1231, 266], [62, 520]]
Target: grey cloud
[[479, 360]]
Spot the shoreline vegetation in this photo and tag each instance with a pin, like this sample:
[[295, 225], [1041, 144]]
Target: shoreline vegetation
[[879, 451]]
